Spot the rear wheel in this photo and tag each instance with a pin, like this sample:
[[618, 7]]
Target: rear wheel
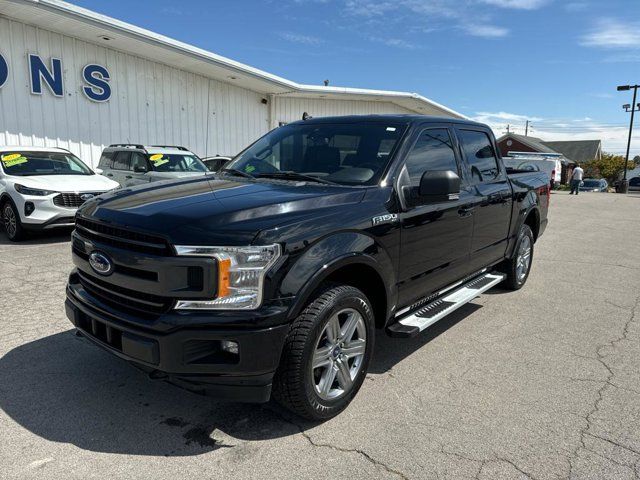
[[12, 223], [518, 267], [326, 354]]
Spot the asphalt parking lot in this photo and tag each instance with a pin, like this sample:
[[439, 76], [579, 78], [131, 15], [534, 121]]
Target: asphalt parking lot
[[541, 383]]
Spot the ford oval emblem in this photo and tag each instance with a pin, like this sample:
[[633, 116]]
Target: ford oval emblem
[[101, 263]]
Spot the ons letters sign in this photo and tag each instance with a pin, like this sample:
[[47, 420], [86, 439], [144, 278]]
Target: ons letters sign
[[95, 77]]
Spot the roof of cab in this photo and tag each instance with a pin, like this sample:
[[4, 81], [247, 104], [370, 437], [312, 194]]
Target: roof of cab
[[23, 148], [387, 118]]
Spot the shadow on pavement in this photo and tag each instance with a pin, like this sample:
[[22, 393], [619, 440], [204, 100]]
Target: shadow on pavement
[[64, 389], [60, 235]]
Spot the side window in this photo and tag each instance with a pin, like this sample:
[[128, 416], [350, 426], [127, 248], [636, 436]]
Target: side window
[[480, 155], [138, 161], [106, 160], [121, 161], [432, 152]]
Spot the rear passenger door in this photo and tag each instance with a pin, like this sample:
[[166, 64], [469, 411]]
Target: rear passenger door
[[121, 163], [493, 203]]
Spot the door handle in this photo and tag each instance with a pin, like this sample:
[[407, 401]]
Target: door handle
[[466, 211], [109, 174], [128, 177]]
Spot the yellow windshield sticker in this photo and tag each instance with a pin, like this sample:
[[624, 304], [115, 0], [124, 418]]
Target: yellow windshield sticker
[[156, 157], [13, 159], [249, 168], [157, 163]]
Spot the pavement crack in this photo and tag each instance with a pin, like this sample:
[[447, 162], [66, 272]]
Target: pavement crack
[[601, 358], [336, 448]]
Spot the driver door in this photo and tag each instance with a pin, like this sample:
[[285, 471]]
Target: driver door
[[436, 236]]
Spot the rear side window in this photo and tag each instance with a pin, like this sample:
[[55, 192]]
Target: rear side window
[[635, 182], [106, 160], [432, 152], [121, 161], [480, 155]]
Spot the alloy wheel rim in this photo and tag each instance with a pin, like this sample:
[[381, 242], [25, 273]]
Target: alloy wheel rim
[[523, 262], [339, 354], [9, 221]]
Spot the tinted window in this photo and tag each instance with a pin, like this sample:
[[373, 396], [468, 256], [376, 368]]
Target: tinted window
[[106, 160], [121, 161], [42, 163], [432, 152], [138, 161], [170, 162], [480, 155], [350, 154], [635, 182]]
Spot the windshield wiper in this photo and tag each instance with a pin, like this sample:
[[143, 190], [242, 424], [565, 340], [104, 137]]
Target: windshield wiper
[[236, 172], [288, 174]]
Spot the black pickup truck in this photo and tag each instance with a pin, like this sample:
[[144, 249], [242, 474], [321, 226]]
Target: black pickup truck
[[272, 275]]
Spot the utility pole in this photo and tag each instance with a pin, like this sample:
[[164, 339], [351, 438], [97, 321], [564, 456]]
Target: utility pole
[[526, 129], [624, 186]]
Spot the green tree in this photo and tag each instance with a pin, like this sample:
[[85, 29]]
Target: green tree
[[609, 167]]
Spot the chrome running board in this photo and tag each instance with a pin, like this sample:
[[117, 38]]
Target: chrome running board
[[415, 322]]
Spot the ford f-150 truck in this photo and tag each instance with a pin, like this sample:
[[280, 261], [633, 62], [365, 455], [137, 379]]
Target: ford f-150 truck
[[271, 276]]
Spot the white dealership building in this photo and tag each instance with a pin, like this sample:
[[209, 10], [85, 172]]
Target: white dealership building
[[76, 79]]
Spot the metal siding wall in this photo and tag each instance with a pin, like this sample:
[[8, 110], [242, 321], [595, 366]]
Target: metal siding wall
[[150, 103], [289, 109]]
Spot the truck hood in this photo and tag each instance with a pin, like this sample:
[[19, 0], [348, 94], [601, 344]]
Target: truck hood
[[67, 183], [213, 211], [174, 175]]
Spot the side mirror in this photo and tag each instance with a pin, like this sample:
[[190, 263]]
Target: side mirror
[[140, 169], [439, 186], [99, 171]]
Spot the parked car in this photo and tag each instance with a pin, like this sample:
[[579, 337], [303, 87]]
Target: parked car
[[216, 163], [548, 163], [132, 164], [273, 275], [41, 188], [634, 184], [594, 185]]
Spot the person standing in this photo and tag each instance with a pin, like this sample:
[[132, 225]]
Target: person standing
[[576, 179]]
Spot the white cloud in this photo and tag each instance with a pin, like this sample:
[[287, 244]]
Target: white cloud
[[299, 38], [517, 4], [614, 137], [487, 31], [611, 33]]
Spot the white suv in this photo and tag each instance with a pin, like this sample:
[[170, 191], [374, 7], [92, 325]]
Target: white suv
[[41, 188]]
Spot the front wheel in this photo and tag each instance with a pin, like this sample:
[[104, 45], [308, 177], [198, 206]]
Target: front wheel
[[518, 267], [326, 354], [12, 223]]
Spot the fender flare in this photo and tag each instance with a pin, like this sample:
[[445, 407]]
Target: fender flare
[[302, 288]]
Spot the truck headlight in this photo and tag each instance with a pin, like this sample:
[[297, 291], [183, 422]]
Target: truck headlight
[[241, 272], [32, 191]]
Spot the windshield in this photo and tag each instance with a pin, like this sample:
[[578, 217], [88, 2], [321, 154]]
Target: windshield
[[591, 183], [347, 154], [24, 164], [175, 162]]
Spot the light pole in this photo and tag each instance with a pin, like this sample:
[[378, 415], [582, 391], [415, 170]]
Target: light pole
[[624, 186]]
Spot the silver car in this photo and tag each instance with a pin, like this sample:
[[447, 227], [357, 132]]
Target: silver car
[[133, 164]]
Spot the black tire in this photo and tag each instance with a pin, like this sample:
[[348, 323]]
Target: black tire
[[516, 277], [295, 383], [11, 222]]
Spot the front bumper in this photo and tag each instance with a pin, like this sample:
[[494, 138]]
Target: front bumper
[[188, 355]]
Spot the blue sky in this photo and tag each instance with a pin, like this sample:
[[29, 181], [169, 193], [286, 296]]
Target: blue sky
[[555, 62]]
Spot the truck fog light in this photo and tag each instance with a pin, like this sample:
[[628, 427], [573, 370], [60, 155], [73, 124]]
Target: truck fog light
[[229, 346], [29, 207]]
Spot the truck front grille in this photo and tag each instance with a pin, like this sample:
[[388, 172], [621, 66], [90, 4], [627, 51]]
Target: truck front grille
[[122, 237], [133, 302], [72, 200]]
